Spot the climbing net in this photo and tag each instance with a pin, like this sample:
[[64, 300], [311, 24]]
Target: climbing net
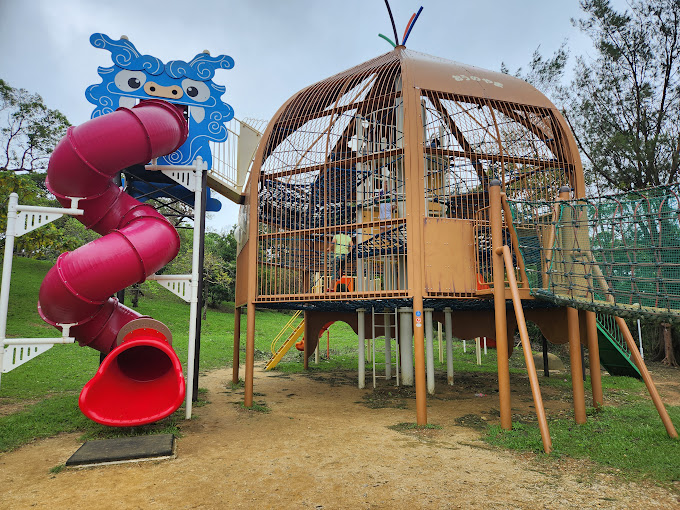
[[616, 254]]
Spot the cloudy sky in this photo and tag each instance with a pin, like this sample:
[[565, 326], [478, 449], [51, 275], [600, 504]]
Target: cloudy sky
[[279, 46]]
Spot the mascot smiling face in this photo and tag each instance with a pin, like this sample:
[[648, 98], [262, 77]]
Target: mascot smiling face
[[134, 77]]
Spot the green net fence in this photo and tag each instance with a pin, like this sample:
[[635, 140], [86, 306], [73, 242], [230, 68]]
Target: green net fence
[[616, 254]]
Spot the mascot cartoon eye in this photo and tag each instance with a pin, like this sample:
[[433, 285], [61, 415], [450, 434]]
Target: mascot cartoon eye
[[129, 81], [197, 90]]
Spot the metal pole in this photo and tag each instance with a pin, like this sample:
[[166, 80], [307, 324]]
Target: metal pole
[[10, 234], [642, 351], [194, 315], [440, 337], [448, 326], [201, 258], [120, 295], [387, 326], [361, 331], [499, 304], [546, 364], [406, 346], [429, 350], [237, 344], [305, 341]]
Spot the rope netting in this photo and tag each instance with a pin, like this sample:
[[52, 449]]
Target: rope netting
[[616, 254]]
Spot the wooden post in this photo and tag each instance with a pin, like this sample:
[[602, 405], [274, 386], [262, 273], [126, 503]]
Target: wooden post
[[414, 165], [250, 355], [637, 359], [576, 367], [237, 344], [499, 304], [594, 358], [528, 356]]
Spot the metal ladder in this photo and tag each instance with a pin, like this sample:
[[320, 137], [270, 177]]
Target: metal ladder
[[394, 333], [294, 332]]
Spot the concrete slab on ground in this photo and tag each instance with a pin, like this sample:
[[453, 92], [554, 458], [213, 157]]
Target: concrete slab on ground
[[123, 449]]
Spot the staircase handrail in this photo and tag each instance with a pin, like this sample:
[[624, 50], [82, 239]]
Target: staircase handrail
[[287, 327]]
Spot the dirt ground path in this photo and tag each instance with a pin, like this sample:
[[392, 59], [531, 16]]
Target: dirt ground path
[[327, 445]]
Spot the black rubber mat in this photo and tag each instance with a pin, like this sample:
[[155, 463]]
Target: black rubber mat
[[122, 449]]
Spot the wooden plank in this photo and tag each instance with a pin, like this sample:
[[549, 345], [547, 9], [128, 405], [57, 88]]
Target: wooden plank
[[449, 255]]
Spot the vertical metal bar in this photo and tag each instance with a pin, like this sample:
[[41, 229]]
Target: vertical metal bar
[[373, 342], [10, 234], [201, 258], [406, 345], [448, 327], [398, 353], [546, 364], [499, 305], [306, 339], [429, 348], [440, 338], [387, 327], [194, 312], [361, 332], [642, 351]]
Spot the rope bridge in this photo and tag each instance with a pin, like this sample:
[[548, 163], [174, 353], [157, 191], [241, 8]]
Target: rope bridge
[[616, 254]]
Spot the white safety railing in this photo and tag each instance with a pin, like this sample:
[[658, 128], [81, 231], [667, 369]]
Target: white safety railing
[[232, 159], [22, 219]]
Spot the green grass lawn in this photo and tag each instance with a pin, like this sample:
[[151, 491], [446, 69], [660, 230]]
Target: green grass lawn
[[43, 393]]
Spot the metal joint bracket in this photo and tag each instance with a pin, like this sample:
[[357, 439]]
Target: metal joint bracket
[[184, 175], [177, 284]]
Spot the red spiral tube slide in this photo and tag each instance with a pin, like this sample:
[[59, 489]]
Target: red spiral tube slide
[[136, 242]]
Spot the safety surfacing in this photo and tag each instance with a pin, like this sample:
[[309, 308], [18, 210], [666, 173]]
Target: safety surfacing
[[123, 449]]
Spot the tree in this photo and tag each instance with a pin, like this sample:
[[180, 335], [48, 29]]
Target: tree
[[544, 73], [29, 130], [624, 104], [48, 241], [219, 275]]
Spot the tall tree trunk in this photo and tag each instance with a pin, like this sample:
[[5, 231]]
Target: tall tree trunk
[[669, 355]]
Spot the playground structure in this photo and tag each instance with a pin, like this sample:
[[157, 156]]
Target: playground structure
[[146, 112], [404, 191], [421, 162]]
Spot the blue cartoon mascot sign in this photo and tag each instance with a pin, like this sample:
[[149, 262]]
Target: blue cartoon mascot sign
[[134, 77]]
